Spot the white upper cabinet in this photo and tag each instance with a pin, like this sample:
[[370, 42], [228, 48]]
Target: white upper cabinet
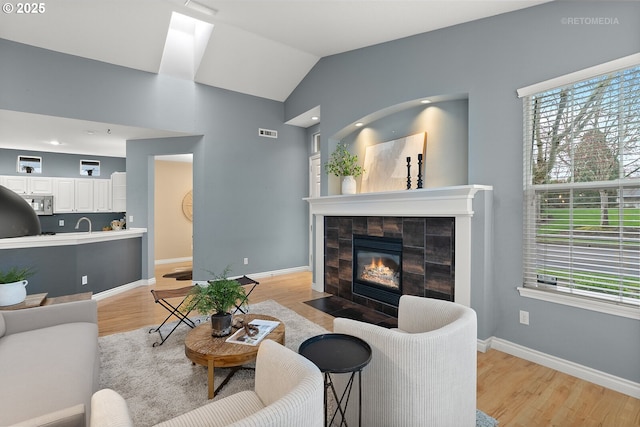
[[84, 195], [64, 195], [28, 184], [119, 191], [102, 195]]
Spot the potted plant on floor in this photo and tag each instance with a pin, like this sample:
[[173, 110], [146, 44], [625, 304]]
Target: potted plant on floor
[[344, 164], [216, 299], [12, 285]]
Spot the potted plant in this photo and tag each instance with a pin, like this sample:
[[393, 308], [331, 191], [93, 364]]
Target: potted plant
[[216, 299], [344, 164], [12, 285]]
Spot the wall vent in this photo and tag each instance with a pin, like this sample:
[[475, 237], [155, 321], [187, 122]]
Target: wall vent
[[268, 133]]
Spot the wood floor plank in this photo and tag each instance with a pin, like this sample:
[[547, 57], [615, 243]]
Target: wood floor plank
[[517, 392]]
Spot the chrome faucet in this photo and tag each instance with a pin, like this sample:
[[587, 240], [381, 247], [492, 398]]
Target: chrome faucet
[[80, 220]]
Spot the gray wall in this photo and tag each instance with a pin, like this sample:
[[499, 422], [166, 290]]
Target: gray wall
[[488, 60], [59, 164], [447, 140], [248, 190]]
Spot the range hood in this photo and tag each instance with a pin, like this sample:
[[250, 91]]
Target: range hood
[[17, 217]]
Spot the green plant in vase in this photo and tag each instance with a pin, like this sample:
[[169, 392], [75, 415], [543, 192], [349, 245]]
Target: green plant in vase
[[13, 284], [344, 164], [216, 299]]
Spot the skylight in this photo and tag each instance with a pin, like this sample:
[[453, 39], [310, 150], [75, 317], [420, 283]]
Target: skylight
[[184, 47]]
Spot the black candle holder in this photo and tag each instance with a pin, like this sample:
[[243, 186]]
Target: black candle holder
[[408, 173], [419, 170]]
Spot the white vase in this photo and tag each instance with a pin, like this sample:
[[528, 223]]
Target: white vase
[[348, 185], [13, 293]]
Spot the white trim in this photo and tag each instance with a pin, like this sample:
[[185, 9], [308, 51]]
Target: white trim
[[587, 73], [613, 382], [120, 289], [581, 302], [173, 260]]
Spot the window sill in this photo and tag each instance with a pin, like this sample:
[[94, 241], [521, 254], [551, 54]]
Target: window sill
[[580, 302]]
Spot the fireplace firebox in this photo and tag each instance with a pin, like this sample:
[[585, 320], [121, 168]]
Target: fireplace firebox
[[377, 268]]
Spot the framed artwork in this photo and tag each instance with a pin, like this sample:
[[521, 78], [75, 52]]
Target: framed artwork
[[385, 164]]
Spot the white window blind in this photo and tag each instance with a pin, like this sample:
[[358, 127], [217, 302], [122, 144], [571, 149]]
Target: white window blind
[[582, 188]]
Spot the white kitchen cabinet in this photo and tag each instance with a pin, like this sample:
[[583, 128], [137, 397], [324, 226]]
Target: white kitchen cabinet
[[17, 184], [119, 191], [28, 184], [102, 195], [84, 195], [64, 195], [39, 185]]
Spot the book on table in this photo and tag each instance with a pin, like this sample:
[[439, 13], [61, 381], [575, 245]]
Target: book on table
[[264, 328]]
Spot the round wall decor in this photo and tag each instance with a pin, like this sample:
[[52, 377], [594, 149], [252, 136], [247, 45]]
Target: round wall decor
[[187, 205]]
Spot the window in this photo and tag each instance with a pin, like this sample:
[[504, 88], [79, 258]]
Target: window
[[582, 187], [29, 164], [90, 167]]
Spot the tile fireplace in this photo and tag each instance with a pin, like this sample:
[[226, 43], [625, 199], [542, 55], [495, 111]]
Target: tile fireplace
[[445, 233]]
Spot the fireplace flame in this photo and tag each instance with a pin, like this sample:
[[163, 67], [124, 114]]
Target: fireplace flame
[[374, 264]]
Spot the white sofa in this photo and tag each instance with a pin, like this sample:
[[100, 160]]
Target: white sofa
[[289, 392], [49, 364], [421, 374]]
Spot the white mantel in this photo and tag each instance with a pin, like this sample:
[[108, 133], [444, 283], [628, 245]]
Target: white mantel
[[454, 202]]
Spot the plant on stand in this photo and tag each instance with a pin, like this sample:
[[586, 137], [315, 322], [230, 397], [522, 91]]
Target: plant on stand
[[216, 299], [13, 284], [344, 164]]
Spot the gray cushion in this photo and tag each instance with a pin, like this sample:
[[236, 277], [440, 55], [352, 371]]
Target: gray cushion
[[48, 369]]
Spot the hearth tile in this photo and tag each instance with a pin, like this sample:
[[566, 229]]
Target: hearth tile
[[346, 270], [345, 227], [392, 226], [346, 249], [344, 290], [438, 278], [413, 284], [331, 237], [360, 225], [331, 276], [374, 226], [439, 295], [330, 222], [341, 307], [331, 257], [413, 232], [413, 260], [440, 226], [438, 249]]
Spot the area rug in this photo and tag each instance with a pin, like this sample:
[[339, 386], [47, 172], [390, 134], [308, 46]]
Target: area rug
[[160, 383]]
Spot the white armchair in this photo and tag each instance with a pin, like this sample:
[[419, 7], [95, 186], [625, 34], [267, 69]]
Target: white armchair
[[289, 392], [421, 374]]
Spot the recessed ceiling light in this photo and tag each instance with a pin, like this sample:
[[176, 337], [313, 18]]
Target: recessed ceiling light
[[359, 124], [425, 101], [55, 142], [315, 118], [91, 132]]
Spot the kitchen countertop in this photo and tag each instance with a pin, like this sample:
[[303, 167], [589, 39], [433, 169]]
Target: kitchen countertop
[[65, 239]]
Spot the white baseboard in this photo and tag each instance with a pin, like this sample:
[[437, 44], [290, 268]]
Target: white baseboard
[[173, 260], [600, 378], [279, 272], [120, 289]]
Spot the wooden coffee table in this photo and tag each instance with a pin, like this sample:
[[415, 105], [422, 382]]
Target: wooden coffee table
[[214, 352]]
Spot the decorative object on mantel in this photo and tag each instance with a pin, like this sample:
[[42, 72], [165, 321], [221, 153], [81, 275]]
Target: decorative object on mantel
[[384, 163], [420, 170], [13, 284], [344, 164], [408, 173]]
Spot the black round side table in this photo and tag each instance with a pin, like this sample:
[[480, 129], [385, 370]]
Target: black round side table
[[338, 354]]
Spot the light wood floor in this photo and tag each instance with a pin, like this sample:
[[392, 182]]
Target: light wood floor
[[516, 392]]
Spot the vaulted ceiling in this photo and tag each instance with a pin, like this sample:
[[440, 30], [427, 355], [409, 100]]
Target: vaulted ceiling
[[258, 47]]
